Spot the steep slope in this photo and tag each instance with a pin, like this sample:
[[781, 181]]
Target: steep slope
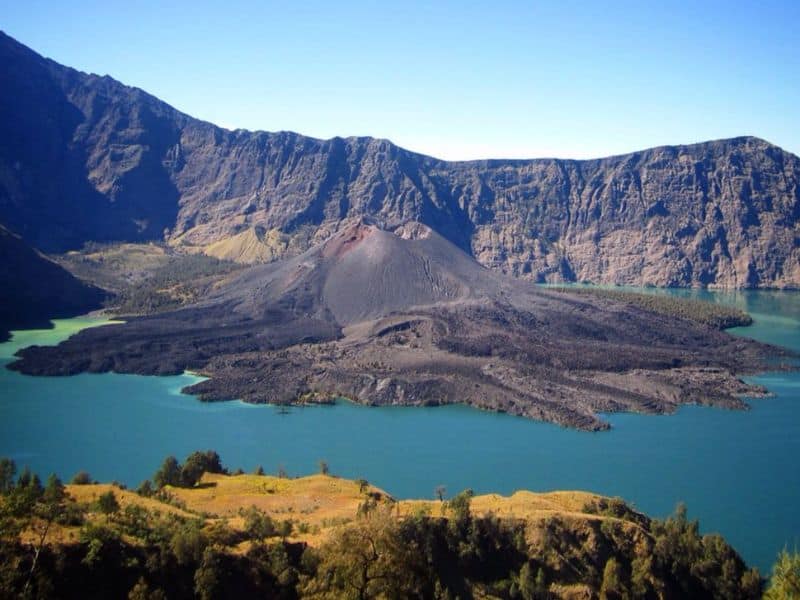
[[362, 273], [721, 213], [406, 317], [34, 289]]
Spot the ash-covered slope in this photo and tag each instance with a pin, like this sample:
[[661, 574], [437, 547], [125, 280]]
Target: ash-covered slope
[[406, 317], [34, 289], [363, 272], [84, 157]]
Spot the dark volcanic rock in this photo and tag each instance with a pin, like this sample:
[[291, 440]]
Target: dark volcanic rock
[[34, 289], [406, 317], [84, 157]]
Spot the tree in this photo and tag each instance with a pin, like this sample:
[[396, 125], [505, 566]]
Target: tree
[[142, 591], [612, 587], [100, 542], [784, 584], [168, 474], [541, 581], [145, 489], [257, 525], [527, 584], [107, 503], [47, 506], [282, 474], [259, 470], [280, 564], [459, 505], [368, 559], [198, 463], [188, 543], [54, 492], [363, 485], [441, 492], [207, 584], [641, 567], [323, 467], [285, 528], [26, 493], [81, 478], [8, 469], [220, 533]]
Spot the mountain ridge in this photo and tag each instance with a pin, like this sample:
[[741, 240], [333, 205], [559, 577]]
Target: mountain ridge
[[719, 213]]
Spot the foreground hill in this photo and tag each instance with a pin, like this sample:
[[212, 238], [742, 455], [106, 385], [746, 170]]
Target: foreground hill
[[84, 157], [406, 317], [34, 289], [248, 536]]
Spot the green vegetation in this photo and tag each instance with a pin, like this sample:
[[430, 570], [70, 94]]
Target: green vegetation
[[713, 315], [785, 581], [120, 545], [257, 525], [614, 507], [180, 280], [107, 503], [172, 473], [81, 478]]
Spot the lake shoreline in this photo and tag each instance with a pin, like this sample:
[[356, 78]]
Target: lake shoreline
[[718, 462]]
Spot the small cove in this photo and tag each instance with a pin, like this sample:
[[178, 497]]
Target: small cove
[[736, 471]]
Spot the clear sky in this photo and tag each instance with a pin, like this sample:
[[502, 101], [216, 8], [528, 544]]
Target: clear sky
[[453, 79]]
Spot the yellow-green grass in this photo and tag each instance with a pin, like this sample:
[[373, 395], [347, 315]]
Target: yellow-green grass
[[248, 247], [320, 503]]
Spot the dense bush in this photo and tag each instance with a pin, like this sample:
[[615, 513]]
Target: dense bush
[[785, 580], [699, 311], [172, 473], [82, 478], [180, 281]]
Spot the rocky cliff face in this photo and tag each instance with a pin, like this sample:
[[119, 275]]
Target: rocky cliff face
[[86, 158], [34, 289]]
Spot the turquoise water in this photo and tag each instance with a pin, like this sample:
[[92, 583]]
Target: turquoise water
[[737, 471]]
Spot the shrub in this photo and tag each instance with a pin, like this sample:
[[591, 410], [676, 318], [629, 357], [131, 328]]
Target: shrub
[[81, 478], [257, 525], [107, 503], [711, 314]]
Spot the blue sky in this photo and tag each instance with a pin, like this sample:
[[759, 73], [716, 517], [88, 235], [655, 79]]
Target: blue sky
[[456, 80]]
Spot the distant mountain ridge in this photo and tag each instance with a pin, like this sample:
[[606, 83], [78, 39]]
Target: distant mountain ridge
[[84, 158]]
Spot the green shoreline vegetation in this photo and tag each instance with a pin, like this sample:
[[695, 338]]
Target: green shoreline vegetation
[[89, 540], [711, 314], [183, 279]]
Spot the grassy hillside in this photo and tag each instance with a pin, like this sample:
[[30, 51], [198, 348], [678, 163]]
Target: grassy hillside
[[215, 535]]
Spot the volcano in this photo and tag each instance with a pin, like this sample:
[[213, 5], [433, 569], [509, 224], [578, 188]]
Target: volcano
[[403, 316]]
